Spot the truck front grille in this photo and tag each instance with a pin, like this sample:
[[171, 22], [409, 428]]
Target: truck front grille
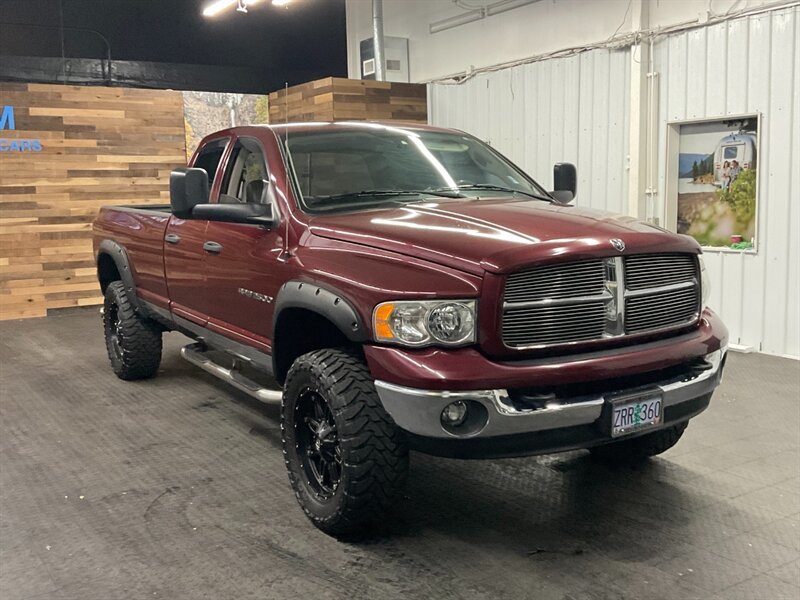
[[600, 298]]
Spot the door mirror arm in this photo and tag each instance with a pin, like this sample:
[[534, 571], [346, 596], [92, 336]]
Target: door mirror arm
[[255, 214]]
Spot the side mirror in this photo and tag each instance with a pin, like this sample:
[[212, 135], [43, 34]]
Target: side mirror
[[257, 214], [188, 188], [565, 181]]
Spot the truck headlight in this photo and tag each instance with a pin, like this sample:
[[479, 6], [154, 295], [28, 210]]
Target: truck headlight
[[705, 284], [425, 322]]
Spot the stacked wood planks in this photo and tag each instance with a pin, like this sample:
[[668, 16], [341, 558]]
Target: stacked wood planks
[[338, 99], [98, 146]]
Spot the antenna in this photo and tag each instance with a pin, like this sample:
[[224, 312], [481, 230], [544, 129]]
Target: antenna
[[287, 253], [286, 110]]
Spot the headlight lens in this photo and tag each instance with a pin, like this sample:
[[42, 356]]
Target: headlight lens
[[421, 323], [705, 283]]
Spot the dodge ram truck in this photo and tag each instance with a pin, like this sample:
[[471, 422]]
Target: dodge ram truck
[[407, 287]]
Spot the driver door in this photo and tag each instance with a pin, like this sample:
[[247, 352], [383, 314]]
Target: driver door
[[242, 264]]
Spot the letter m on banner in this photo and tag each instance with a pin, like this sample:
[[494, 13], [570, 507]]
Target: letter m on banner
[[7, 118]]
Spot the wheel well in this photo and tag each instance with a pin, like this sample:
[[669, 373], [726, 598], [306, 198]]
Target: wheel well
[[299, 331], [107, 271]]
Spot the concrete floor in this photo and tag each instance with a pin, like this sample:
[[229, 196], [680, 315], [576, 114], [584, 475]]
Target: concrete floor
[[175, 488]]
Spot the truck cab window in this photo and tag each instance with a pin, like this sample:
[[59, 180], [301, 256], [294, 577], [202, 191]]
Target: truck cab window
[[209, 158], [246, 177]]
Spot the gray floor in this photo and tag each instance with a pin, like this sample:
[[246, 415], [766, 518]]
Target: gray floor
[[175, 488]]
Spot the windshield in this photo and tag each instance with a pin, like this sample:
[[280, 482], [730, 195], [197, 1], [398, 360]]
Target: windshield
[[359, 167]]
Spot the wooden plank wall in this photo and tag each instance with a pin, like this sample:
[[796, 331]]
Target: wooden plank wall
[[338, 99], [98, 146]]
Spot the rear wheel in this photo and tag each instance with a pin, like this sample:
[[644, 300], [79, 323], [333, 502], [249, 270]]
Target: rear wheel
[[640, 448], [346, 459], [133, 342]]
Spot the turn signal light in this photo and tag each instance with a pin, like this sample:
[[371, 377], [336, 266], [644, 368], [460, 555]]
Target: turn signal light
[[383, 313]]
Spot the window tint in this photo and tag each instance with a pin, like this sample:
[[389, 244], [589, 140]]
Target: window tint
[[246, 176], [332, 165], [209, 158], [327, 173]]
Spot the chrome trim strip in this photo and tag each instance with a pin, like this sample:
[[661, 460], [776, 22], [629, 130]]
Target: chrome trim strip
[[557, 301], [674, 287]]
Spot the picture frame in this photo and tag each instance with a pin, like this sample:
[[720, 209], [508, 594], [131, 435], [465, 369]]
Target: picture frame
[[680, 194]]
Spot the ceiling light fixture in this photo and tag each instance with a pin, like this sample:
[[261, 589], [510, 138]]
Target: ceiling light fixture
[[218, 6], [280, 2]]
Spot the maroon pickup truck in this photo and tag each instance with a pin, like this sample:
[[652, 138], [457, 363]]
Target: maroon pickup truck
[[407, 287]]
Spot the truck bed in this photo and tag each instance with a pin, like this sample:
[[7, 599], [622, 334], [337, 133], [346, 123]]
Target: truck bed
[[140, 230]]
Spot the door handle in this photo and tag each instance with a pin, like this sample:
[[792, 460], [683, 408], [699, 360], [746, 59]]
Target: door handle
[[172, 238], [212, 247]]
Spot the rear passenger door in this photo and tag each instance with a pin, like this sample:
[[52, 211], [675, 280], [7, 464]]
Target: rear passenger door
[[183, 246], [243, 261]]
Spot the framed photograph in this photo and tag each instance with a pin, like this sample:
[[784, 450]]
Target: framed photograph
[[714, 181]]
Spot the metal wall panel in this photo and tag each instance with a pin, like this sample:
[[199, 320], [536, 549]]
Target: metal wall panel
[[748, 65], [569, 109], [576, 109]]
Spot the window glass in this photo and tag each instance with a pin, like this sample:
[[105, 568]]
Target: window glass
[[731, 152], [246, 176], [356, 167], [209, 158]]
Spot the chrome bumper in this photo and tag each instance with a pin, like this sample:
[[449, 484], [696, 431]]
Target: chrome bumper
[[419, 411]]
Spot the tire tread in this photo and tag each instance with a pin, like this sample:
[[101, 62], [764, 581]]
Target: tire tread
[[374, 450], [142, 343]]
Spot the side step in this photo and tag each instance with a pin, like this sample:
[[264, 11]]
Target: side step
[[197, 355]]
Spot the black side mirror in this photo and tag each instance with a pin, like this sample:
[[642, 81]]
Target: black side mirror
[[257, 214], [565, 181], [188, 188]]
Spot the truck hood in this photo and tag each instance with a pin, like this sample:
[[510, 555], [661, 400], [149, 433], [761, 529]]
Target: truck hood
[[497, 234]]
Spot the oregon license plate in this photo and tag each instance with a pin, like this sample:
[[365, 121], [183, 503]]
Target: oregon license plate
[[635, 413]]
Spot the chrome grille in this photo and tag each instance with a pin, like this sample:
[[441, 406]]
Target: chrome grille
[[557, 281], [660, 309], [601, 298], [656, 270], [553, 324]]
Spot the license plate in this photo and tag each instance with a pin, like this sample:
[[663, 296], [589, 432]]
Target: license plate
[[636, 413]]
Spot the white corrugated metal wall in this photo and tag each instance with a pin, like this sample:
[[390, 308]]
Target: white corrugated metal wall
[[576, 109], [569, 109], [748, 65]]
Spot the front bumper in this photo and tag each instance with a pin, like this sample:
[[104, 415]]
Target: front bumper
[[504, 429]]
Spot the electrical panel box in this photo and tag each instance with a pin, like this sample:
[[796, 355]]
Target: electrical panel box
[[396, 56]]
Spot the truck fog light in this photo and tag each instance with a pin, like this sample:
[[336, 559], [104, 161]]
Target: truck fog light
[[454, 414]]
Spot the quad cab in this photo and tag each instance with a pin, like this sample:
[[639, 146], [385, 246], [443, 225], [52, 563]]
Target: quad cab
[[408, 287]]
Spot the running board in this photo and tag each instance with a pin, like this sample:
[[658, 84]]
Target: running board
[[195, 354]]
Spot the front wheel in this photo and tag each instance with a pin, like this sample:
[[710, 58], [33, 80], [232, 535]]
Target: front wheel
[[347, 460], [640, 448]]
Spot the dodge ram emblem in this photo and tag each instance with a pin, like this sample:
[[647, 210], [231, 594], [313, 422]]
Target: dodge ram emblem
[[617, 243]]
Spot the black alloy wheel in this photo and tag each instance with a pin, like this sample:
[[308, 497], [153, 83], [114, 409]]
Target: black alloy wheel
[[318, 443]]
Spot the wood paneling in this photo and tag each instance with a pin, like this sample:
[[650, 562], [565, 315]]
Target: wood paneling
[[349, 99], [99, 146]]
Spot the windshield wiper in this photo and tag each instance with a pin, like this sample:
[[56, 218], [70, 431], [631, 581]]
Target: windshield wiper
[[499, 188], [445, 193]]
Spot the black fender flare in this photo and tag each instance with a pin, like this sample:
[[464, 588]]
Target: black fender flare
[[324, 301], [120, 257]]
